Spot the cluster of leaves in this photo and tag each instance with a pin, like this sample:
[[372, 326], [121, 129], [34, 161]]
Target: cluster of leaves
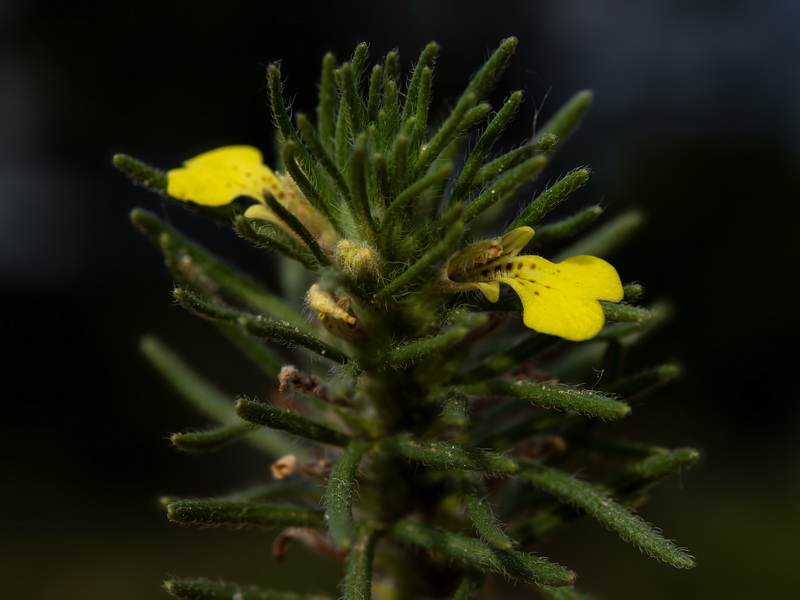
[[460, 440]]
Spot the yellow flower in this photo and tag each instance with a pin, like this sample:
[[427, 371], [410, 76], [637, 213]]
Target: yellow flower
[[220, 176], [557, 298]]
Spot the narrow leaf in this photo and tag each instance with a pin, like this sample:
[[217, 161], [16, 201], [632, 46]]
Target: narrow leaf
[[511, 159], [492, 69], [446, 134], [483, 518], [339, 493], [326, 161], [562, 397], [424, 263], [562, 593], [564, 122], [235, 514], [283, 420], [455, 407], [360, 207], [357, 583], [257, 325], [145, 175], [624, 313], [449, 456], [204, 396], [322, 202], [229, 280], [427, 59], [374, 97], [470, 585], [483, 146], [281, 114], [644, 381], [549, 199], [253, 349], [603, 508], [506, 358], [351, 101], [567, 227], [326, 110], [205, 441], [418, 350], [202, 589], [412, 192], [273, 238], [285, 215], [606, 239], [526, 567], [505, 187]]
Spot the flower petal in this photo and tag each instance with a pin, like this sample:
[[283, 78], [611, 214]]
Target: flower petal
[[554, 312], [220, 176], [562, 299]]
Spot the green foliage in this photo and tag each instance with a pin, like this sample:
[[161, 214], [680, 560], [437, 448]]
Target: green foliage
[[433, 426]]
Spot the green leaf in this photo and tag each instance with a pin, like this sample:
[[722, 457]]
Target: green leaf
[[229, 280], [202, 589], [253, 349], [351, 100], [236, 514], [526, 567], [449, 456], [339, 493], [562, 397], [204, 396], [508, 356], [567, 227], [212, 439], [326, 161], [483, 81], [257, 325], [273, 238], [362, 213], [606, 239], [482, 516], [455, 408], [320, 195], [563, 593], [505, 187], [511, 159], [418, 350], [285, 215], [442, 138], [638, 476], [427, 59], [624, 313], [326, 109], [146, 175], [393, 214], [463, 185], [470, 585], [425, 263], [549, 199], [283, 420], [609, 513], [566, 120], [357, 583], [644, 381]]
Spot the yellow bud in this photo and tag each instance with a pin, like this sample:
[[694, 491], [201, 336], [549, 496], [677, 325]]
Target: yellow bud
[[358, 260]]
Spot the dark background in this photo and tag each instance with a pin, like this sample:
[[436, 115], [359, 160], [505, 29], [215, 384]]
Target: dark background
[[695, 122]]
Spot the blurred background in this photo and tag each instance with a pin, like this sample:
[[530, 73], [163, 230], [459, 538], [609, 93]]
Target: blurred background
[[695, 122]]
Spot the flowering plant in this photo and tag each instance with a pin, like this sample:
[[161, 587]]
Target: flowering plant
[[448, 416]]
